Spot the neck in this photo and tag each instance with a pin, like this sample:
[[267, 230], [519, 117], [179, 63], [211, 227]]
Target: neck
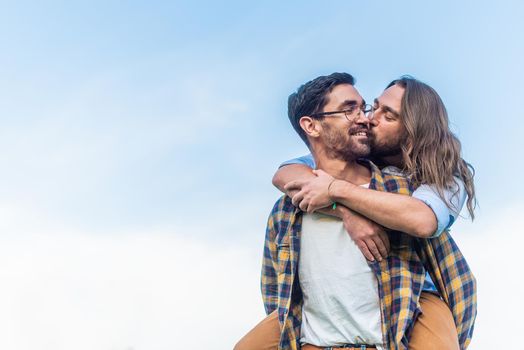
[[344, 169], [395, 160]]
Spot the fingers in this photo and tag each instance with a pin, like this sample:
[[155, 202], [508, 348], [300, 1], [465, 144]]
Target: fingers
[[294, 185], [303, 205], [381, 247], [297, 198], [365, 250], [385, 239], [308, 208], [372, 246], [300, 201], [312, 206]]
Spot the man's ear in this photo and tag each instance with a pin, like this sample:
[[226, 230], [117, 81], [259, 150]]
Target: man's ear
[[310, 126]]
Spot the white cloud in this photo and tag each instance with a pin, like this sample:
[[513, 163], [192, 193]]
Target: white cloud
[[63, 288], [493, 247], [168, 289], [147, 290]]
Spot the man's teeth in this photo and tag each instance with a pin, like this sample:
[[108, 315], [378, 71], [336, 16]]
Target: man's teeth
[[361, 133]]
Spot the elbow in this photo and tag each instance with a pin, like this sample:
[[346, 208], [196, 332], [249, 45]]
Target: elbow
[[425, 229], [275, 180], [425, 221], [278, 181]]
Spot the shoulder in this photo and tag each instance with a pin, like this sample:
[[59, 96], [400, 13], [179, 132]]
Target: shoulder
[[306, 160], [281, 217], [282, 207], [389, 179]]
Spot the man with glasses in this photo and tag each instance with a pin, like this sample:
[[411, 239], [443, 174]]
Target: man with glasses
[[315, 281]]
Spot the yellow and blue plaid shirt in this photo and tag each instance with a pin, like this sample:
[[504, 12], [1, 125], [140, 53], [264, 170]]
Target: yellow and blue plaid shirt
[[400, 277]]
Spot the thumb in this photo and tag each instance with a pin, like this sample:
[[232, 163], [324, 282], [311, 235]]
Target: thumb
[[320, 172]]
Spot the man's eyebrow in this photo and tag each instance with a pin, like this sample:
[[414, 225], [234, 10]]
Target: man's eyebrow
[[391, 110], [348, 103], [387, 108]]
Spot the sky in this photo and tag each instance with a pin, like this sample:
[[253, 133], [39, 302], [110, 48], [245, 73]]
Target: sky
[[138, 141]]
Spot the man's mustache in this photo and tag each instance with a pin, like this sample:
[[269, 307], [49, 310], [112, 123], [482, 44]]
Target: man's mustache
[[358, 129]]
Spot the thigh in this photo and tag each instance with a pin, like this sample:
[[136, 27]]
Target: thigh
[[265, 335], [435, 328]]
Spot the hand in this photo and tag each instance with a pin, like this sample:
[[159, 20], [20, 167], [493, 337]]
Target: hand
[[312, 193], [370, 238]]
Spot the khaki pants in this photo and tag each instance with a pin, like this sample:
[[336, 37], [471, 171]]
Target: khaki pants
[[434, 330]]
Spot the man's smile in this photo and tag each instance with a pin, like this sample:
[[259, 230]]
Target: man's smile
[[359, 132]]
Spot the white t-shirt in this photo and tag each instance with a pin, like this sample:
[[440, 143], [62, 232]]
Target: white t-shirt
[[341, 301]]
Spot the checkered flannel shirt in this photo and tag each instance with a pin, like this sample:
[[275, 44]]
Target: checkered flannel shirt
[[400, 277]]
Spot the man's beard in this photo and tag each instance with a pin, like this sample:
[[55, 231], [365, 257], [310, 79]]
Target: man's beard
[[385, 149], [343, 145]]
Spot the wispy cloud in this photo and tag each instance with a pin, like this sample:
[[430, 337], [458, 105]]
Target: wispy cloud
[[123, 143]]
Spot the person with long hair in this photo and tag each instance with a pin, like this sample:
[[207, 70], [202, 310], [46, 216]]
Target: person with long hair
[[410, 136]]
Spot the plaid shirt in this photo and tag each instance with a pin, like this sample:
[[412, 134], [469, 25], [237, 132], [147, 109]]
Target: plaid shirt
[[400, 277]]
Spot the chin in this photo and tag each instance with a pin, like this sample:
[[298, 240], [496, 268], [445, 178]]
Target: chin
[[360, 152]]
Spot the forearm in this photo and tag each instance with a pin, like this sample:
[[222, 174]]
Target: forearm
[[340, 211], [289, 173], [394, 211]]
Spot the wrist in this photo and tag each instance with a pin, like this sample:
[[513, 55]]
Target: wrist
[[330, 190], [340, 190], [334, 190], [344, 212]]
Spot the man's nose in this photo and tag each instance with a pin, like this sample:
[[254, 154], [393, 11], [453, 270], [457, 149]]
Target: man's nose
[[363, 119], [372, 121]]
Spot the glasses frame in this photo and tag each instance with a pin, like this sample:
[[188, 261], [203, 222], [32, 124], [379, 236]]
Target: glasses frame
[[367, 109]]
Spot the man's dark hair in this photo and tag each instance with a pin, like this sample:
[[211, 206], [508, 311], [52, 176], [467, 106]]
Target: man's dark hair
[[311, 98]]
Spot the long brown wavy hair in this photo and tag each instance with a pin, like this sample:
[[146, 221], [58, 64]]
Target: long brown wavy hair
[[431, 152]]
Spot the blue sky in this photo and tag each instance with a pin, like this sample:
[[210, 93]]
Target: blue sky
[[150, 131]]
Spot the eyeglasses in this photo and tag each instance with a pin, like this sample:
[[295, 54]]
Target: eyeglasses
[[350, 113]]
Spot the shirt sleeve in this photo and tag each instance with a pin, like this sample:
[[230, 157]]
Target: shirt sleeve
[[269, 279], [306, 160], [445, 216]]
